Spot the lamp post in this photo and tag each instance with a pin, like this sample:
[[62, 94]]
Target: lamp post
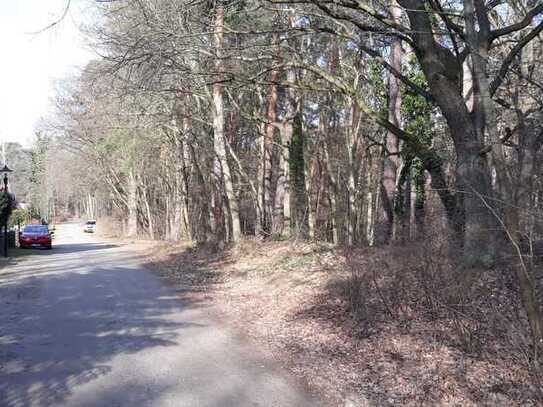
[[6, 170]]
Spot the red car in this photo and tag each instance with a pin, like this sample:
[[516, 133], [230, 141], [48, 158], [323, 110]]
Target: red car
[[35, 236]]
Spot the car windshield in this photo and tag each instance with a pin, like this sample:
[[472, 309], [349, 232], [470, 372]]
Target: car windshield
[[35, 229], [91, 222]]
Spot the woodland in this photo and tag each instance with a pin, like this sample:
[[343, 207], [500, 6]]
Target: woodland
[[367, 123]]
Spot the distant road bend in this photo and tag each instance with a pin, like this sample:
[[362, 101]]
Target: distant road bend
[[86, 325]]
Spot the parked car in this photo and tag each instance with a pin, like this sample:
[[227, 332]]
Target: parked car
[[90, 226], [35, 236]]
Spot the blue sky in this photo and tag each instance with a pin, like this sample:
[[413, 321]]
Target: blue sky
[[32, 62]]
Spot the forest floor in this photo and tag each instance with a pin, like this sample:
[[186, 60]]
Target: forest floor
[[296, 301]]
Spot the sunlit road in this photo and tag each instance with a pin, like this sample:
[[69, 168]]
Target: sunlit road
[[87, 325]]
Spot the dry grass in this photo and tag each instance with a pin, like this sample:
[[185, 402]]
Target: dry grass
[[380, 327]]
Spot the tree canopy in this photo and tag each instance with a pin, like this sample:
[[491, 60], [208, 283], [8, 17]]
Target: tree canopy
[[358, 123]]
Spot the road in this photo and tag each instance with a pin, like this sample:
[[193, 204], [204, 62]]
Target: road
[[87, 325]]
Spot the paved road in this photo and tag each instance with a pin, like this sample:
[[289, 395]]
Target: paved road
[[86, 325]]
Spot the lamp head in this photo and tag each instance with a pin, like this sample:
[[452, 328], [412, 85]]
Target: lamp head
[[5, 169]]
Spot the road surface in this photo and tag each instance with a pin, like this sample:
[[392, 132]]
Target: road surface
[[87, 325]]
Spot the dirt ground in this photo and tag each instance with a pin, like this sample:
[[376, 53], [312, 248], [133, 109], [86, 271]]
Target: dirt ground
[[293, 300]]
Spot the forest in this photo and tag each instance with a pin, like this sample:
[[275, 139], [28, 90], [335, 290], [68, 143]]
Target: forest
[[358, 124]]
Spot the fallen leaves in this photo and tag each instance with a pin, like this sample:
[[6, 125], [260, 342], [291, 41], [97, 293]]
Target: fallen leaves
[[284, 297]]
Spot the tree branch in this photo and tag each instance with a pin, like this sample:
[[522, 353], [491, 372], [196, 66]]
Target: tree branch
[[504, 68]]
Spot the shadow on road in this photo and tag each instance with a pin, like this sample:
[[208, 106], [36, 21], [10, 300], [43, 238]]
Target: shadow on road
[[17, 255], [61, 329], [67, 248]]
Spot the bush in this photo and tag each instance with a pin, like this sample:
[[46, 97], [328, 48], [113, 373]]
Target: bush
[[19, 216]]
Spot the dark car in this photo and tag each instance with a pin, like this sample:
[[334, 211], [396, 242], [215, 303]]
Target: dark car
[[35, 236]]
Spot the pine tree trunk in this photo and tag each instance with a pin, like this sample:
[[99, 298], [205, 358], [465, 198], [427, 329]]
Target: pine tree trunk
[[260, 228], [278, 218], [299, 202], [269, 162]]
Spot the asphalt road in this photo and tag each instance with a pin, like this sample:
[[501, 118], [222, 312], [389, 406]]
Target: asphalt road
[[87, 325]]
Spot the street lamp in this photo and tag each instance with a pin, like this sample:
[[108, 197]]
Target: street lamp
[[6, 170]]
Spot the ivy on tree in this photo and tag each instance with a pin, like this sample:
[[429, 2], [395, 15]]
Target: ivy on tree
[[6, 207]]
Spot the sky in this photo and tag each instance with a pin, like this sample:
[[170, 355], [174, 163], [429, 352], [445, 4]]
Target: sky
[[31, 62]]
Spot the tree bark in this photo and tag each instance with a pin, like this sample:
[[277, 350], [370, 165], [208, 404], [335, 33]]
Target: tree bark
[[132, 200], [221, 168], [443, 72], [273, 205], [391, 162], [148, 213], [176, 218], [299, 203]]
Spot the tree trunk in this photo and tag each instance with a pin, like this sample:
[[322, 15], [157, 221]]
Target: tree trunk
[[204, 209], [468, 216], [132, 200], [391, 162], [281, 224], [337, 216], [405, 221], [148, 213], [260, 223], [299, 202], [374, 185], [278, 218], [175, 221], [353, 170], [186, 170], [270, 211], [419, 206], [221, 168], [90, 207], [528, 148]]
